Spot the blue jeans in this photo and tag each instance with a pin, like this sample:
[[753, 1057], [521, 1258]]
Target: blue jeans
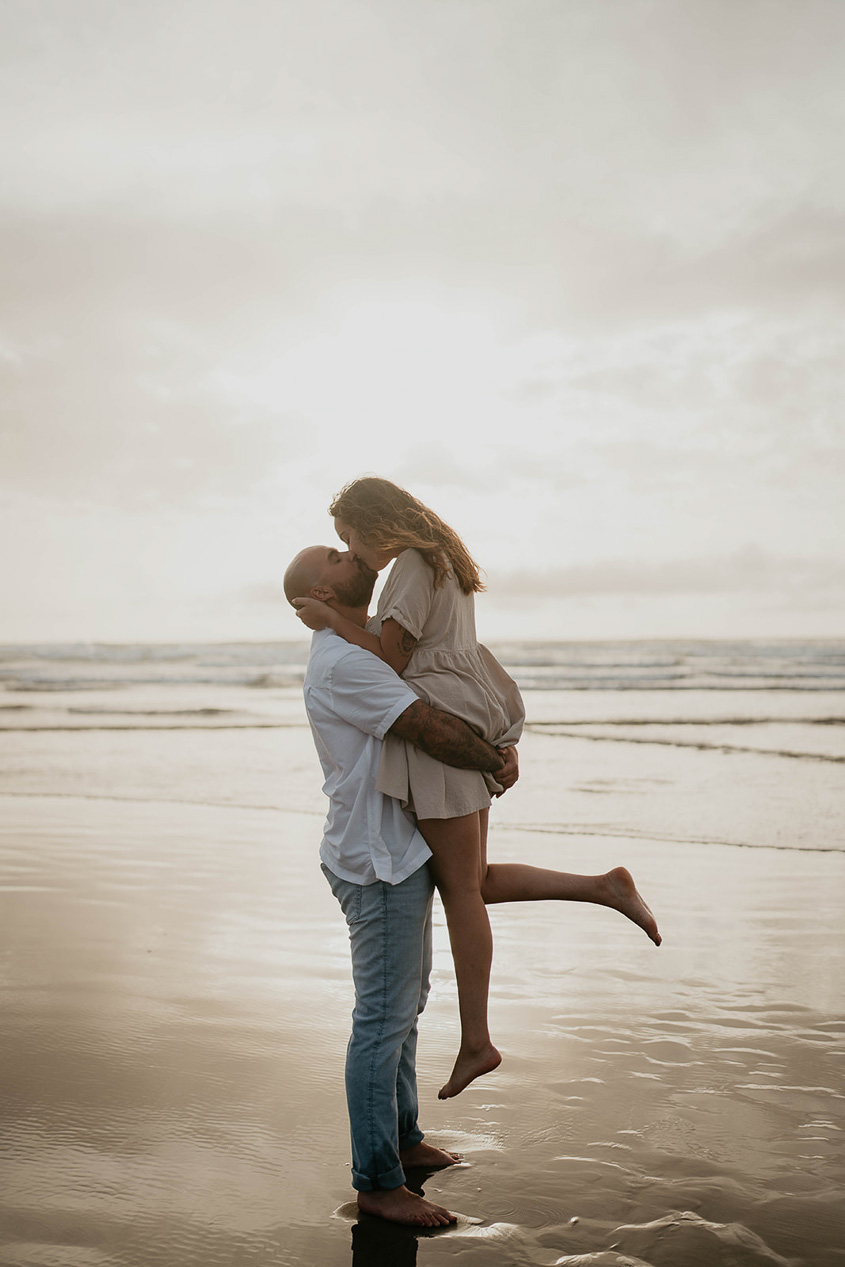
[[390, 936]]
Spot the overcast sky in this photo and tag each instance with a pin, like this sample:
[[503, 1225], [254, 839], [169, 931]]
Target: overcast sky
[[570, 270]]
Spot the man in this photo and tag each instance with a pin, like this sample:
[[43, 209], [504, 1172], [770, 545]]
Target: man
[[375, 859]]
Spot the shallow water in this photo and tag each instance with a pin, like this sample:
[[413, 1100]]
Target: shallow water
[[175, 989]]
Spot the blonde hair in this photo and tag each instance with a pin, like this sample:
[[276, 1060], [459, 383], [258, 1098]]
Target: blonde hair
[[389, 518]]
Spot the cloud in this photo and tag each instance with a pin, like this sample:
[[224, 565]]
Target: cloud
[[109, 418], [743, 571], [592, 171], [787, 257], [575, 280]]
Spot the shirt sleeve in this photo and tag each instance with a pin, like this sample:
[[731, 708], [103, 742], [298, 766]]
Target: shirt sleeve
[[411, 593], [365, 692]]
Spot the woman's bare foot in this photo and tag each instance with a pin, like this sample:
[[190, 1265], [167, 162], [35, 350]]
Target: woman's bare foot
[[400, 1205], [427, 1156], [623, 896], [468, 1066]]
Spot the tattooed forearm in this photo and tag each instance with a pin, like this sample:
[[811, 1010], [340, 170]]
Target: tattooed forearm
[[447, 738]]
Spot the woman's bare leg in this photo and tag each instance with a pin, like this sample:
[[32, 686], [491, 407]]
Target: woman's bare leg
[[455, 844], [518, 882]]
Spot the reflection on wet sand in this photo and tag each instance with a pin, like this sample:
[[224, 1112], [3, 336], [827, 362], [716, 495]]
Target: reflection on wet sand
[[176, 1000]]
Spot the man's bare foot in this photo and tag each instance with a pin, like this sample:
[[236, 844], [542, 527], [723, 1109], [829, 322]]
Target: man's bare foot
[[429, 1157], [623, 897], [468, 1066], [400, 1205]]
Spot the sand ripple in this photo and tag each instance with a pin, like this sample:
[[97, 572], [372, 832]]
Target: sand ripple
[[686, 1238]]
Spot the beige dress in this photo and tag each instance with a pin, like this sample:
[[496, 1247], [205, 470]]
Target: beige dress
[[449, 669]]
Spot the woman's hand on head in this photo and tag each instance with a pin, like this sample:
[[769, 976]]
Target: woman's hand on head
[[312, 612]]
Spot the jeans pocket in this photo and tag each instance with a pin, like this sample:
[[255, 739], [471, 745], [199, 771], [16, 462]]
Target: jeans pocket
[[350, 903], [347, 894]]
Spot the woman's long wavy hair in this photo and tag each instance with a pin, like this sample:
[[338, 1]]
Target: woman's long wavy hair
[[388, 518]]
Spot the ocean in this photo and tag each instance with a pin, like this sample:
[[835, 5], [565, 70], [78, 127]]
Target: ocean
[[565, 666], [776, 708]]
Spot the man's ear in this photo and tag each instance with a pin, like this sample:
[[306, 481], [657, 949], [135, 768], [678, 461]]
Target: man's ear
[[323, 592]]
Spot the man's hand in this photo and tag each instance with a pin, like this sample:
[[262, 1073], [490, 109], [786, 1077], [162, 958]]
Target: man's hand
[[312, 612], [509, 772]]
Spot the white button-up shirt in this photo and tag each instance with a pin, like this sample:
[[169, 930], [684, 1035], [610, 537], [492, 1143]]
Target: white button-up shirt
[[352, 699]]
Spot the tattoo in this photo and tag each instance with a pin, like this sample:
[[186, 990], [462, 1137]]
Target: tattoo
[[407, 642], [446, 738]]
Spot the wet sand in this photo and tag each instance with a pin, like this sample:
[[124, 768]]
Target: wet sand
[[175, 995]]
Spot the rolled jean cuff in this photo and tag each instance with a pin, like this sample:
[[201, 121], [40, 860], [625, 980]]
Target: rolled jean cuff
[[413, 1137], [392, 1179]]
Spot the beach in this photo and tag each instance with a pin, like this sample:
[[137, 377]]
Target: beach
[[176, 989]]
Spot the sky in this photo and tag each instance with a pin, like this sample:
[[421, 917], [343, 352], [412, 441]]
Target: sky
[[572, 271]]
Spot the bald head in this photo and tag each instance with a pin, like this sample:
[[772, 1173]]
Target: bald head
[[335, 577], [304, 572]]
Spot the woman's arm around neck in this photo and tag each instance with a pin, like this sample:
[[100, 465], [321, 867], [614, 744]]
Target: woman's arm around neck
[[394, 645]]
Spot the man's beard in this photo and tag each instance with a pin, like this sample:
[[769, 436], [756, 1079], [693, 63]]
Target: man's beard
[[358, 591]]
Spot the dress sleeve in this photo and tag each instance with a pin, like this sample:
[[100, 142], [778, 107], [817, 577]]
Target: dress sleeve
[[410, 593], [365, 692]]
